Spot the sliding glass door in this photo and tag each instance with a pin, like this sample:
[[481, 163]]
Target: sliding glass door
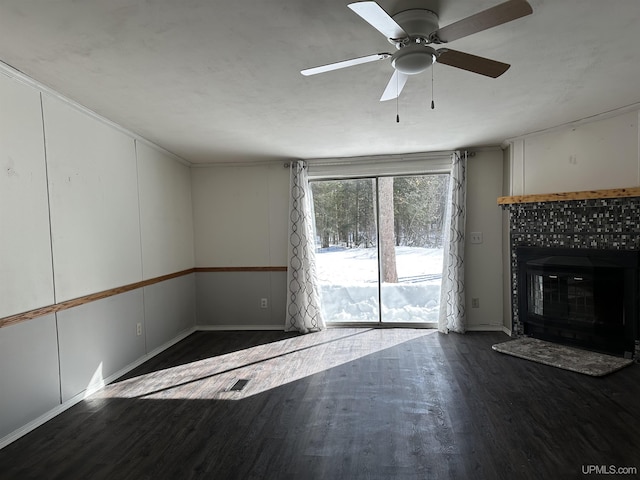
[[379, 248], [347, 249]]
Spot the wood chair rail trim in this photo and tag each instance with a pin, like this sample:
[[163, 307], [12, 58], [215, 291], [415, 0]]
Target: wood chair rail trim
[[58, 307]]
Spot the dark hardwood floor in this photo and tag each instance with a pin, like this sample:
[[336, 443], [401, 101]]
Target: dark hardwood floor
[[340, 404]]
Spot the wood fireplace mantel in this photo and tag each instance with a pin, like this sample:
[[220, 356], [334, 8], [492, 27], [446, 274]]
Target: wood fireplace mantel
[[557, 197]]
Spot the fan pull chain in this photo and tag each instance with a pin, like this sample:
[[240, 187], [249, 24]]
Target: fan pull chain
[[397, 96], [433, 105]]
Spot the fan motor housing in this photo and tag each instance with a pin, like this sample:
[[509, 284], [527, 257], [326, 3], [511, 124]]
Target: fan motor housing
[[413, 55], [413, 59], [417, 22]]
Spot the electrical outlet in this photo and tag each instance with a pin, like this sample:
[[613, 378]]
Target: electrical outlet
[[139, 329], [475, 303], [475, 237], [264, 303]]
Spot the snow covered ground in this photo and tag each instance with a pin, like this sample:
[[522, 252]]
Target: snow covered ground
[[348, 285]]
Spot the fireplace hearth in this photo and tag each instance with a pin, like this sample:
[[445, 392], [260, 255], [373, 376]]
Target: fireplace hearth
[[581, 297]]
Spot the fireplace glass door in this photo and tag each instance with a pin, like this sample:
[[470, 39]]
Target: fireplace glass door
[[575, 304], [565, 296], [583, 297]]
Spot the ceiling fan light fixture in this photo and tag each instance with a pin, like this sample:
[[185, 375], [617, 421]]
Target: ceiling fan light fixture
[[412, 31], [413, 59]]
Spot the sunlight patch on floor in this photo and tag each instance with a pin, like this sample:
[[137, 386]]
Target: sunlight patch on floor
[[265, 366]]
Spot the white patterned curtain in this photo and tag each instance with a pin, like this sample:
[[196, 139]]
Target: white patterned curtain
[[303, 299], [452, 302]]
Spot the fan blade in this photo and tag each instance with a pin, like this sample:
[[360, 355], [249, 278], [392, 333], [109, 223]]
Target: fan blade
[[492, 17], [374, 15], [471, 63], [345, 64], [395, 86]]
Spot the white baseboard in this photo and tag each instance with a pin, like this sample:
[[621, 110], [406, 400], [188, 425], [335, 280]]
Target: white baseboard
[[181, 336], [506, 330], [58, 409], [32, 425], [220, 328], [485, 328]]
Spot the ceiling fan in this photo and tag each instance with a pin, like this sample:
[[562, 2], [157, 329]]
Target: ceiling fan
[[413, 32]]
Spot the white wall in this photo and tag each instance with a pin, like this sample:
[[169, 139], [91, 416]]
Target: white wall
[[93, 193], [166, 213], [85, 207], [483, 262], [232, 299], [98, 339], [240, 218], [240, 215], [26, 279], [169, 310], [28, 372], [596, 155]]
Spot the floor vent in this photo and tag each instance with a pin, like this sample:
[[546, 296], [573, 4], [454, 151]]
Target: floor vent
[[239, 385]]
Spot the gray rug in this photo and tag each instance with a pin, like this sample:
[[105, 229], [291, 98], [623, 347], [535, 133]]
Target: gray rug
[[561, 356]]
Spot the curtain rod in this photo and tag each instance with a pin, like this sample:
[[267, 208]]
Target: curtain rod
[[382, 158]]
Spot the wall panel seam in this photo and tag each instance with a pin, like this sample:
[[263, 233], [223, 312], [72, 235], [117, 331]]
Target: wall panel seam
[[46, 176]]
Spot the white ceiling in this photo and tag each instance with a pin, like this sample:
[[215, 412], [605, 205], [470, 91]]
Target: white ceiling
[[219, 81]]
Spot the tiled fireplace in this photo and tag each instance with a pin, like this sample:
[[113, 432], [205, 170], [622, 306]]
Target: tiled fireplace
[[580, 234]]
